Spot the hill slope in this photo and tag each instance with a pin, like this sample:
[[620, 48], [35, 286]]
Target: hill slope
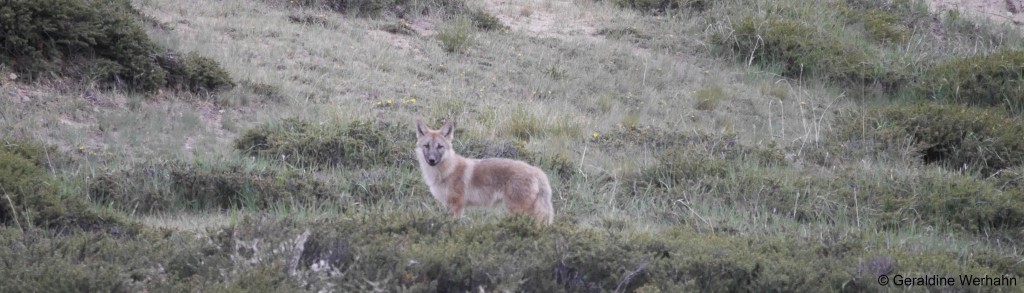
[[692, 145]]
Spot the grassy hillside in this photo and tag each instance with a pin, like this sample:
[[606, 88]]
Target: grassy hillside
[[731, 145]]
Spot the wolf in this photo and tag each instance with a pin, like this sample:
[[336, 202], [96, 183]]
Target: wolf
[[457, 182]]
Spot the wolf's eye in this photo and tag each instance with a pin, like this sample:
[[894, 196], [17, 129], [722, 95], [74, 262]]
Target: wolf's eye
[[440, 147], [426, 146]]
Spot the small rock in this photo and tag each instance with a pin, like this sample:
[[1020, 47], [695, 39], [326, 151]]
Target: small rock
[[12, 76]]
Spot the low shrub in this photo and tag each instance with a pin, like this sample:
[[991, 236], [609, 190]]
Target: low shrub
[[195, 73], [884, 26], [360, 144], [664, 6], [29, 197], [419, 250], [220, 188], [152, 261], [513, 254], [755, 177], [485, 21], [96, 40], [375, 8], [174, 185], [802, 50], [955, 201], [995, 79], [887, 21], [955, 137], [457, 35]]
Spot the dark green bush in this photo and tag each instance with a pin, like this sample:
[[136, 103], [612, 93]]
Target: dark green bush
[[802, 50], [947, 201], [374, 8], [887, 21], [953, 136], [664, 6], [485, 21], [195, 73], [98, 40], [230, 188], [176, 185], [29, 197], [935, 198], [884, 26], [359, 144], [995, 79]]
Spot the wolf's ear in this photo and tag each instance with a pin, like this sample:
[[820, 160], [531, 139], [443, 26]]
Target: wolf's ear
[[448, 130], [421, 129]]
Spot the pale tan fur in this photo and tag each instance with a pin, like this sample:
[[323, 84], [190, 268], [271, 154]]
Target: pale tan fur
[[457, 182]]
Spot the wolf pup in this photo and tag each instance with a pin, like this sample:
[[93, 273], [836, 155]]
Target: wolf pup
[[458, 182]]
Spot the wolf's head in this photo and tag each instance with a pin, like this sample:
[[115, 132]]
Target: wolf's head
[[433, 146]]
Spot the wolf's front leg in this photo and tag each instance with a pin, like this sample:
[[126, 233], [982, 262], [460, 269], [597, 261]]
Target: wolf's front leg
[[455, 202]]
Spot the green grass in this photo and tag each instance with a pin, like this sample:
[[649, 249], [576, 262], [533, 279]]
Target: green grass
[[735, 145], [457, 35]]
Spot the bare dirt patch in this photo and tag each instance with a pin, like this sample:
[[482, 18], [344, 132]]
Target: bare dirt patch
[[547, 19], [999, 11]]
